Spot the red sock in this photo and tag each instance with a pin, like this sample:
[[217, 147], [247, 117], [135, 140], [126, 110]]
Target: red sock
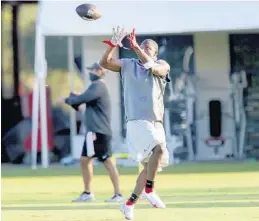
[[130, 203], [148, 189], [132, 200]]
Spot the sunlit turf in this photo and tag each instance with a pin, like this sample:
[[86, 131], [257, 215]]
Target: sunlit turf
[[195, 192]]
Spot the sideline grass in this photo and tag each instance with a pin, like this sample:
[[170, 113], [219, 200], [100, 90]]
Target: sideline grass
[[196, 192]]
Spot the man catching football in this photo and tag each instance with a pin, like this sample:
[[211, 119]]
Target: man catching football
[[144, 80]]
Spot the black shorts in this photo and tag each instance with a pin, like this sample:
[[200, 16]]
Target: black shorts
[[102, 147]]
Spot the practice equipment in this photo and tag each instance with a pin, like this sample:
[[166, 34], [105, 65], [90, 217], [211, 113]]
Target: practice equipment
[[186, 59], [88, 12]]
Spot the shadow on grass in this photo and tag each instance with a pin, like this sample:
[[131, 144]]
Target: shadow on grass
[[139, 206], [184, 168]]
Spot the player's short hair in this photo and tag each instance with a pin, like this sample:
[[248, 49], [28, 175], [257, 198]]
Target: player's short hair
[[151, 43]]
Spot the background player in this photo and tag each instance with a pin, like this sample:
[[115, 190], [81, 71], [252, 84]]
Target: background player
[[97, 118]]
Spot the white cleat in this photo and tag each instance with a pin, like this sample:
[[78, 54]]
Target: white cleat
[[84, 197], [154, 200], [115, 199], [128, 211], [143, 196]]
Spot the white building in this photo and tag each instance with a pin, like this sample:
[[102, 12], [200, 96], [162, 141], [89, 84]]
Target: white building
[[210, 25]]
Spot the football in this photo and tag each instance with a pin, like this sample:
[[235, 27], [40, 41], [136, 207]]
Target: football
[[88, 12]]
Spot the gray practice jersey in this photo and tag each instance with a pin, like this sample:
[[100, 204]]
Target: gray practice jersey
[[143, 92], [97, 116]]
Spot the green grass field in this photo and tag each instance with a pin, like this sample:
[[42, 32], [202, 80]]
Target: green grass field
[[195, 192]]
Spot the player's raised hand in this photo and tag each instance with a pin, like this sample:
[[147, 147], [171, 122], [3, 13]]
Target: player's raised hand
[[132, 39], [117, 37]]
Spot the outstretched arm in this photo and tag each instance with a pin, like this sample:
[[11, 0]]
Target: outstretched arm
[[107, 61], [91, 94], [160, 68], [143, 57]]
